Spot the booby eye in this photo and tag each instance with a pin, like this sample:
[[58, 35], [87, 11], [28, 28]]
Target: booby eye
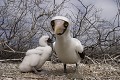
[[52, 24], [66, 24]]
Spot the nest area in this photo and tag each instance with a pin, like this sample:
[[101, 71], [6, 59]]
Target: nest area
[[95, 71], [99, 67]]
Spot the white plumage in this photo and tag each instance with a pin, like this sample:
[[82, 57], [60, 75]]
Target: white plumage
[[35, 58], [69, 50]]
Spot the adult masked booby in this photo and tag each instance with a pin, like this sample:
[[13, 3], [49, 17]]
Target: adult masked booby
[[35, 58], [69, 50]]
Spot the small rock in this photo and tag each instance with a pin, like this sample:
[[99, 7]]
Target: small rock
[[8, 79]]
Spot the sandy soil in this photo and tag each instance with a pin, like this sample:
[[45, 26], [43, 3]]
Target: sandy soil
[[10, 71]]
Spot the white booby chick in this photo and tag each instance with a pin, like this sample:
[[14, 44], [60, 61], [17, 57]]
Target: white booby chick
[[35, 58], [69, 50]]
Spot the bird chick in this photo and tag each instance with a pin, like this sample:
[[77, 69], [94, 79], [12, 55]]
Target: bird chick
[[35, 58]]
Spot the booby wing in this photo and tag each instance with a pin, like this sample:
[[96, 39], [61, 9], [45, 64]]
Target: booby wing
[[54, 46], [79, 48], [34, 59], [34, 51]]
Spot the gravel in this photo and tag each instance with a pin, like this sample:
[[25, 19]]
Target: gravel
[[10, 71]]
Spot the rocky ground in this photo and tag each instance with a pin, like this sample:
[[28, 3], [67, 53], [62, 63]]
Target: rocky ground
[[10, 71]]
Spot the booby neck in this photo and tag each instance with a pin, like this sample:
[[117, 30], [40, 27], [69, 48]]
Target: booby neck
[[44, 44]]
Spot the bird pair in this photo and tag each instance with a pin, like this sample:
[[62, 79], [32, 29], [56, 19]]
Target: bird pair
[[69, 50]]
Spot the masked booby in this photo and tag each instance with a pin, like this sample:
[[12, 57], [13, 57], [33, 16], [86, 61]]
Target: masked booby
[[69, 50]]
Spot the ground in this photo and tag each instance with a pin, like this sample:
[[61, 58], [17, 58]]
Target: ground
[[10, 71]]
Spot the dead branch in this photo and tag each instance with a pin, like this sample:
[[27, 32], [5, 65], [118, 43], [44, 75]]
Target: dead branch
[[90, 59], [9, 47], [6, 60], [14, 51], [116, 57]]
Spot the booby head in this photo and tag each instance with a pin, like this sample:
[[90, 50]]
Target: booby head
[[44, 40], [60, 24]]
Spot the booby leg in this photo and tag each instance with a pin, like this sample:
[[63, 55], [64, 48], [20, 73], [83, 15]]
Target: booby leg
[[77, 74], [76, 69], [35, 70], [39, 72], [65, 69]]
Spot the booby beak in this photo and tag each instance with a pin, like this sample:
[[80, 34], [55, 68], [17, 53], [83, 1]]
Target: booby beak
[[49, 40], [57, 30]]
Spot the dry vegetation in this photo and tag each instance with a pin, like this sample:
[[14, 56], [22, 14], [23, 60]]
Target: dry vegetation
[[96, 71], [22, 22]]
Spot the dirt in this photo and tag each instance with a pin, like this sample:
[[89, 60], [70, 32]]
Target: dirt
[[10, 71]]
